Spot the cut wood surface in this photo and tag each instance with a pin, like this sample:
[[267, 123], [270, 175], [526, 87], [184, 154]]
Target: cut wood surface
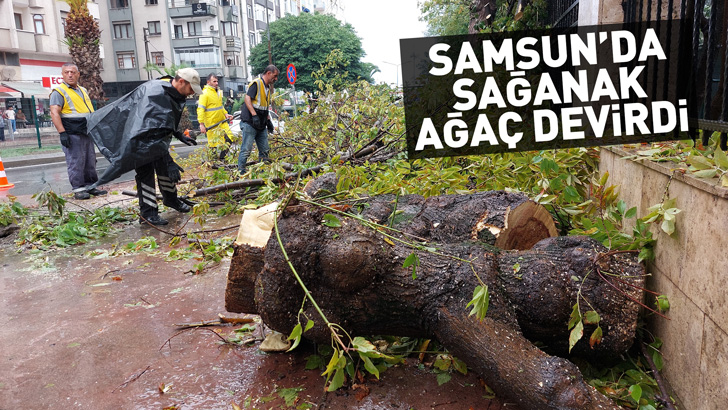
[[356, 276]]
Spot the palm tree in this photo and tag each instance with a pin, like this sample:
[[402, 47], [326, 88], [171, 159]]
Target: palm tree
[[83, 40]]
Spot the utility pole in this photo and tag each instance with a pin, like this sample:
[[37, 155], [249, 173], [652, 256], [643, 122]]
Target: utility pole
[[267, 23], [146, 51]]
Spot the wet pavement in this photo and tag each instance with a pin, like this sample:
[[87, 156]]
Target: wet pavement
[[79, 331]]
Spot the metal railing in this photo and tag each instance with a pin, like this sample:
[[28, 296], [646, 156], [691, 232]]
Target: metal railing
[[563, 13], [705, 28]]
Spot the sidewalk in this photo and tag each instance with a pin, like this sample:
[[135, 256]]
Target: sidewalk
[[54, 157]]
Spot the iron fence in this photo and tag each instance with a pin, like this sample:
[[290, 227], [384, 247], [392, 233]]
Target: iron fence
[[563, 13], [705, 28]]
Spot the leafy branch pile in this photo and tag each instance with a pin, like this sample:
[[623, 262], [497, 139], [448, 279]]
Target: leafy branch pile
[[708, 162]]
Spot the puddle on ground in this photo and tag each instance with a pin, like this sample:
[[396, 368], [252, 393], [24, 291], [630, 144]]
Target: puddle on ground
[[98, 333]]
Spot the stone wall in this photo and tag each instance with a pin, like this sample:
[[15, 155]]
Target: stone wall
[[691, 268]]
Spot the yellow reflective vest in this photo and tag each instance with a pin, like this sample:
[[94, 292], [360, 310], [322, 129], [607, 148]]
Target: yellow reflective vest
[[261, 101], [210, 110], [75, 108]]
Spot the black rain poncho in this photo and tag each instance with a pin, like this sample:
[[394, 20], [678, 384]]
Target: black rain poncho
[[137, 128]]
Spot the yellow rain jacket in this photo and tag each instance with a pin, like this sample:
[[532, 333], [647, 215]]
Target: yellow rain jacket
[[212, 114]]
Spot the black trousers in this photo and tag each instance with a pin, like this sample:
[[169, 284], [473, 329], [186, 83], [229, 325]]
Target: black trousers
[[146, 191]]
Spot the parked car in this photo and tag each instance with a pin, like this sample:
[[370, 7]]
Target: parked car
[[277, 123]]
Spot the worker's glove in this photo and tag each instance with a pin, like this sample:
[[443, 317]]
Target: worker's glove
[[185, 139], [269, 124], [174, 171], [256, 122], [65, 140]]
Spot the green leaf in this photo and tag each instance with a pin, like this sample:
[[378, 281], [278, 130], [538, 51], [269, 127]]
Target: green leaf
[[575, 316], [369, 366], [576, 333], [295, 336], [646, 254], [414, 261], [314, 362], [657, 360], [699, 162], [309, 325], [443, 378], [631, 212], [337, 381], [480, 302], [290, 395], [621, 206], [720, 158], [591, 317], [442, 364], [596, 337], [332, 221], [706, 173], [459, 365], [571, 194], [662, 303], [635, 391], [333, 364], [668, 226]]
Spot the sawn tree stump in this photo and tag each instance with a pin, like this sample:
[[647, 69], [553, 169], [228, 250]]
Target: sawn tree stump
[[357, 278]]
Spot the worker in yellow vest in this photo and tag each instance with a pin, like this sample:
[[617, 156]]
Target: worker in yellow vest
[[254, 121], [213, 118], [70, 105]]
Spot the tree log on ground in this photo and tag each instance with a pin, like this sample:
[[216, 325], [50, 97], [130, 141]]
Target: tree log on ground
[[357, 278]]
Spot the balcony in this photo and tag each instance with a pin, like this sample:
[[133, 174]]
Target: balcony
[[196, 41], [183, 9], [26, 40], [235, 71], [233, 43]]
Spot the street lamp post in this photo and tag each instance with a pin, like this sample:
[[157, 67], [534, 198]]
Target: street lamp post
[[397, 67]]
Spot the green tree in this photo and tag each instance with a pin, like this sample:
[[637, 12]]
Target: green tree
[[82, 37], [306, 40], [453, 17], [445, 17]]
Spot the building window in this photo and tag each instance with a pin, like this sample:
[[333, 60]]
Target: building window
[[250, 11], [126, 59], [158, 58], [229, 28], [198, 57], [122, 30], [18, 21], [194, 28], [155, 29], [178, 32], [260, 14], [38, 23], [119, 4], [232, 58], [152, 2], [251, 35]]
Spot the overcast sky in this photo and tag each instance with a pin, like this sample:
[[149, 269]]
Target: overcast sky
[[381, 24]]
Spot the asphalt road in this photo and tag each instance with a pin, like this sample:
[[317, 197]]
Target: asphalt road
[[53, 175]]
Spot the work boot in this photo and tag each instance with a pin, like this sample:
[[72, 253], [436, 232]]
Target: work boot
[[178, 205], [81, 195], [154, 220], [97, 192]]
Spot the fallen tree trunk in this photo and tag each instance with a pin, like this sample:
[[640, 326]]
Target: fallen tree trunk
[[357, 278]]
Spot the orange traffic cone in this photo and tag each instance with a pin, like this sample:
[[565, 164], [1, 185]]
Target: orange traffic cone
[[4, 184]]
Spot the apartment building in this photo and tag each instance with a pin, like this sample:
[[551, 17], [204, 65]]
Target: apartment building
[[213, 36], [31, 46], [204, 34]]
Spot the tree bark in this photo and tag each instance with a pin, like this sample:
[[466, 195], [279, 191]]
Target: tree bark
[[358, 280]]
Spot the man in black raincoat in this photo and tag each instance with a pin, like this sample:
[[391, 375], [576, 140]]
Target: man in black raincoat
[[135, 131]]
